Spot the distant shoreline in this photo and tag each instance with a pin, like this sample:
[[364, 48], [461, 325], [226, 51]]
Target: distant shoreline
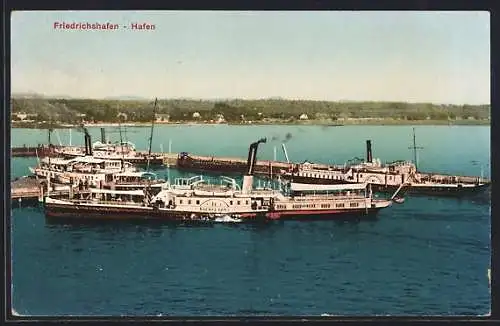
[[320, 123]]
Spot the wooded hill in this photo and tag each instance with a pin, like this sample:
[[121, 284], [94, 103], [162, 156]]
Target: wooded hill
[[74, 110]]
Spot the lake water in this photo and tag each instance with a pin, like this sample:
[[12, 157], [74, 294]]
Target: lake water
[[428, 256]]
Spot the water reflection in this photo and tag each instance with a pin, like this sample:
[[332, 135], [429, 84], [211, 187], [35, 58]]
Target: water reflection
[[157, 226]]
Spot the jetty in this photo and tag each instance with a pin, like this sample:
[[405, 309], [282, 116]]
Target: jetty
[[32, 151], [198, 163], [28, 191], [25, 187]]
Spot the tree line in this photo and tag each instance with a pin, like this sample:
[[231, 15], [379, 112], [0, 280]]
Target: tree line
[[76, 110]]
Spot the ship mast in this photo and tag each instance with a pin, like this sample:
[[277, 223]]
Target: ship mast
[[50, 145], [50, 142], [151, 136], [415, 147], [121, 142]]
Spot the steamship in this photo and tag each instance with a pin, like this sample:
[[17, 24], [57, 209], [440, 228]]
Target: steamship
[[194, 200], [386, 177], [85, 169], [90, 172], [123, 150]]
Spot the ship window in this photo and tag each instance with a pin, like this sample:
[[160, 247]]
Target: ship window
[[189, 202], [354, 205], [180, 201], [197, 202], [339, 205], [238, 202], [246, 202], [230, 202]]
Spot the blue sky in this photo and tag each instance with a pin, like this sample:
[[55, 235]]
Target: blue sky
[[439, 57]]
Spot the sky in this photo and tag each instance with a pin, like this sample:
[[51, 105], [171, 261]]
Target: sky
[[438, 57]]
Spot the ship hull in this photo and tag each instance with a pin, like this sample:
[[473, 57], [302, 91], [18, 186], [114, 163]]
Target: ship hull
[[89, 212], [437, 190], [317, 215]]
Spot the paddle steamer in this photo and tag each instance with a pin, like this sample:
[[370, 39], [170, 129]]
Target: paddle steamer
[[386, 177], [104, 149], [195, 200]]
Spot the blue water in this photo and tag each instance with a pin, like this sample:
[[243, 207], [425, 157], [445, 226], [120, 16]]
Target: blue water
[[428, 256]]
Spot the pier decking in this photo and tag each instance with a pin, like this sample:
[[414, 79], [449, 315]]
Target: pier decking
[[28, 190], [32, 151], [23, 188]]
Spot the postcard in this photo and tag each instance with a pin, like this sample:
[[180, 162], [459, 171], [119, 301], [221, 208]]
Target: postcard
[[250, 163]]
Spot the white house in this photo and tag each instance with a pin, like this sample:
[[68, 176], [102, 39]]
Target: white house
[[22, 116], [25, 116], [122, 115], [159, 117], [220, 118], [196, 115], [303, 116]]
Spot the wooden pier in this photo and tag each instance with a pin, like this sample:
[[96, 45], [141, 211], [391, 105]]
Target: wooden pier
[[28, 190], [25, 188], [33, 151], [25, 192]]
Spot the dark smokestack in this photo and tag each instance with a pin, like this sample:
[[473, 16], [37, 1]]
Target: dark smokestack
[[369, 151], [103, 136], [87, 145], [252, 155]]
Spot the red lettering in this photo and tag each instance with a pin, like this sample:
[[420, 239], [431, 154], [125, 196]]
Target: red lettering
[[143, 26]]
